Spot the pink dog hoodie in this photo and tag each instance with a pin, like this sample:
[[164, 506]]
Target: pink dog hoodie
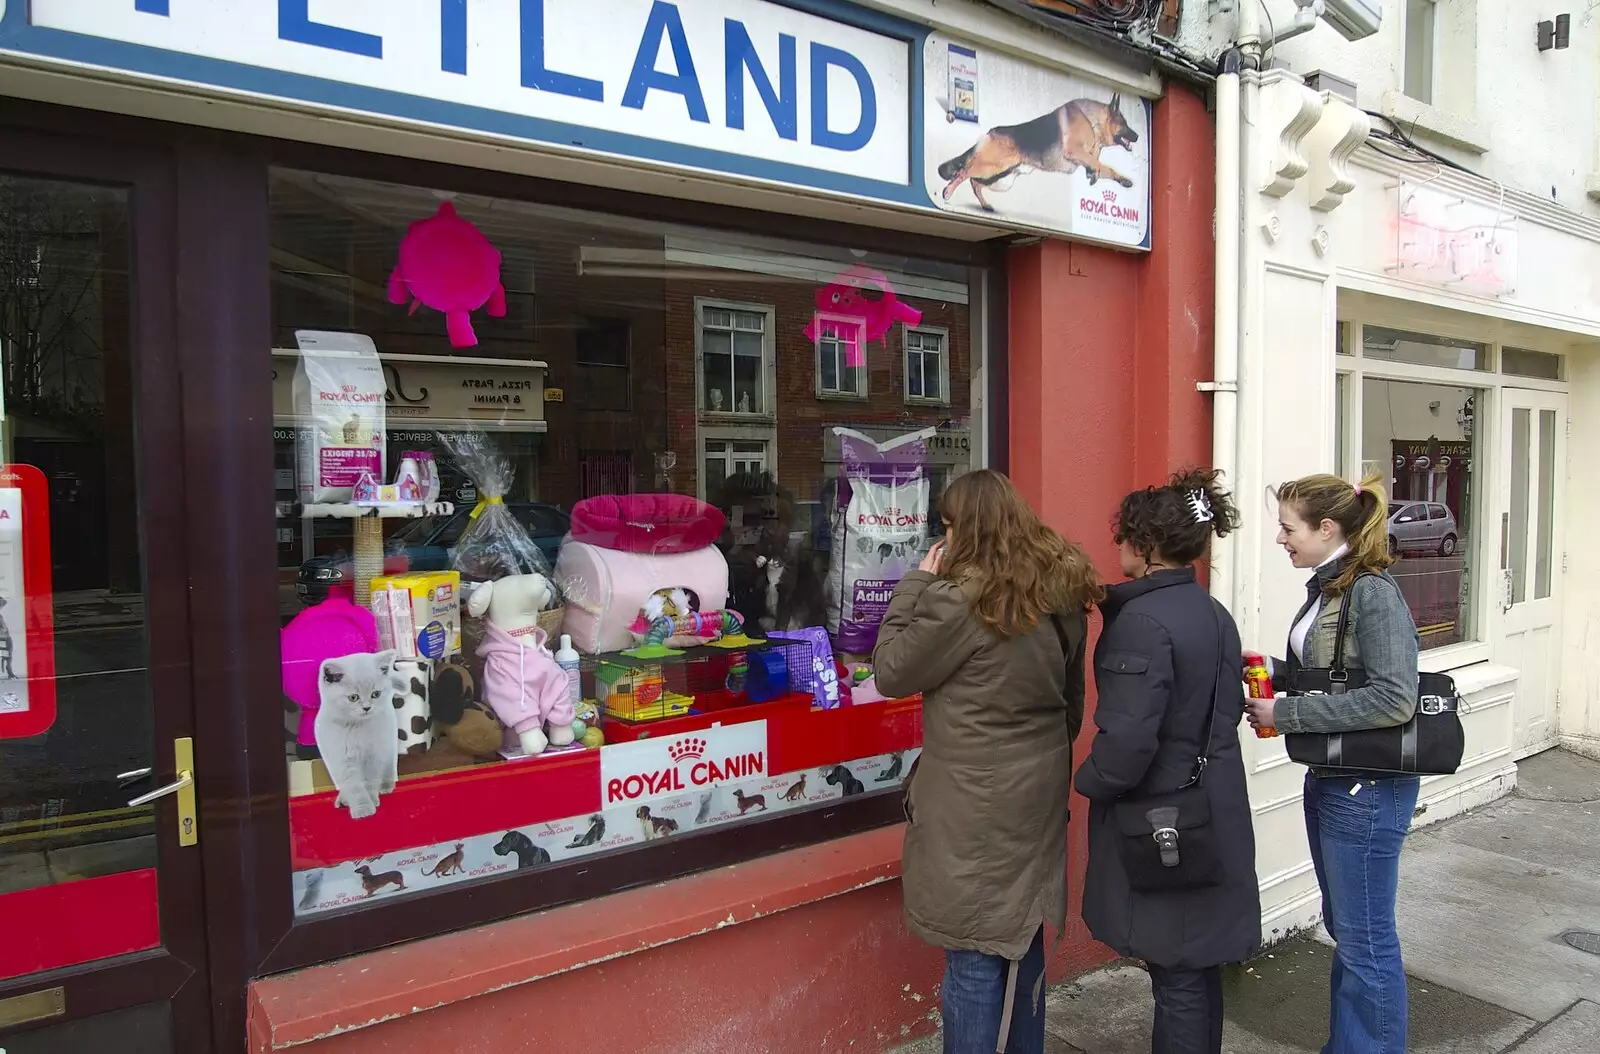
[[521, 680]]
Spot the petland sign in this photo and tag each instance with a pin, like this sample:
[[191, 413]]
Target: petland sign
[[816, 94]]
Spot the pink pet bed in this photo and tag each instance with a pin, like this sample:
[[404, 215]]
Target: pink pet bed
[[647, 523]]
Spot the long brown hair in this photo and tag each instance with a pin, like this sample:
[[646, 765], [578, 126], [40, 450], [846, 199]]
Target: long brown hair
[[1019, 569], [1362, 513]]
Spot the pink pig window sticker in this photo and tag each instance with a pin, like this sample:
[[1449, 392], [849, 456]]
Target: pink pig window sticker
[[858, 307], [449, 265]]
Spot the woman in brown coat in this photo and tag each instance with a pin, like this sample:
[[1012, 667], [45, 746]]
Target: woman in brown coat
[[991, 631]]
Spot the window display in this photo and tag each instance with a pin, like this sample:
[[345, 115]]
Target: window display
[[579, 547], [1420, 438]]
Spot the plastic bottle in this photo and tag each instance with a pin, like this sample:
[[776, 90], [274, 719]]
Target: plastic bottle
[[567, 659], [1260, 681]]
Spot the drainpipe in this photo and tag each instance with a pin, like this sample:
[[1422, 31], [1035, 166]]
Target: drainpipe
[[1224, 385]]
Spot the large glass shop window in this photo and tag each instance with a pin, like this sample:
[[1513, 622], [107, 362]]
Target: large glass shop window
[[586, 525]]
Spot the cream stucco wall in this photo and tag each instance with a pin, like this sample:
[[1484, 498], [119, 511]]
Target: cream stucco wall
[[1533, 117], [1319, 245]]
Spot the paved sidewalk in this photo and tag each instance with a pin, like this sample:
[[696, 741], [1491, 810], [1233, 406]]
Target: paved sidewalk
[[1495, 910]]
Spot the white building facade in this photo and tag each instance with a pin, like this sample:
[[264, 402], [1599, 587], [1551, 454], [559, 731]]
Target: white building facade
[[1419, 296]]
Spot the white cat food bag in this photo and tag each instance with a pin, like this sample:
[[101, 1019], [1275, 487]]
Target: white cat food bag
[[339, 398], [879, 534]]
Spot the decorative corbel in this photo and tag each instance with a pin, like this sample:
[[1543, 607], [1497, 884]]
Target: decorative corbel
[[1294, 110], [1340, 133]]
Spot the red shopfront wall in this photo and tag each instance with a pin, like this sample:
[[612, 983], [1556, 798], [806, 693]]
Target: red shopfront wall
[[1105, 352], [808, 947]]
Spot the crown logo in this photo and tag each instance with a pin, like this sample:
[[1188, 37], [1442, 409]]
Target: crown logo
[[693, 747], [1109, 195]]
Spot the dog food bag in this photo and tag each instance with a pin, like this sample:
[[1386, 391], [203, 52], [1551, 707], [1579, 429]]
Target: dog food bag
[[339, 392], [879, 533], [494, 545]]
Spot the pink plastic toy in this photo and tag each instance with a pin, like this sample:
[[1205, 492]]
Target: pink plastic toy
[[328, 630], [860, 295], [448, 264]]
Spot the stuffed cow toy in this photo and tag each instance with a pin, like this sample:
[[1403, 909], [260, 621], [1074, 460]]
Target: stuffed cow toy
[[521, 681]]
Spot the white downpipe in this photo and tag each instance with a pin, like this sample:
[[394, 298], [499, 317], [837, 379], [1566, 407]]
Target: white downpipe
[[1230, 280], [1225, 350]]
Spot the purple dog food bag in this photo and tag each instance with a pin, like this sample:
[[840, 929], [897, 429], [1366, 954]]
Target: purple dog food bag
[[880, 531]]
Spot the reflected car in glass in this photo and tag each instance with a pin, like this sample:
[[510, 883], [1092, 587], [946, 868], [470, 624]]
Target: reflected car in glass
[[429, 544], [1423, 527]]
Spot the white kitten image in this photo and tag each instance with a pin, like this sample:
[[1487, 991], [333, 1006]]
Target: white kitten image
[[357, 728]]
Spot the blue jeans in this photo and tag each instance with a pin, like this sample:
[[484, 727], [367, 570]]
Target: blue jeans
[[1356, 828], [974, 996]]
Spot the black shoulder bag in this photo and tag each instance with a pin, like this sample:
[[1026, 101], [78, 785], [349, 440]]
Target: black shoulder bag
[[1430, 744], [1166, 839]]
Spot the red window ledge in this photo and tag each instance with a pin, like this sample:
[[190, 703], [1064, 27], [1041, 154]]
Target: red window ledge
[[393, 983]]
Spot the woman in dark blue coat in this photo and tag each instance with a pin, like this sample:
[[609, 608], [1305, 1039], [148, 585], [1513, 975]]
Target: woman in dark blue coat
[[1158, 678]]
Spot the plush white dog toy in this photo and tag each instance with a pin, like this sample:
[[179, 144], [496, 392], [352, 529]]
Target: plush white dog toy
[[521, 681]]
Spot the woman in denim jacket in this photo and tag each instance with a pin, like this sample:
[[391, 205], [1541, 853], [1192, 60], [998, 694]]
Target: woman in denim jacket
[[1356, 821]]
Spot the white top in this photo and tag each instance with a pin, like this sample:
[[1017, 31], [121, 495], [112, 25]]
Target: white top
[[1302, 629]]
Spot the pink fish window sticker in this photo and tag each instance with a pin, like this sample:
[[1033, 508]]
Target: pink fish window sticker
[[858, 307], [449, 265]]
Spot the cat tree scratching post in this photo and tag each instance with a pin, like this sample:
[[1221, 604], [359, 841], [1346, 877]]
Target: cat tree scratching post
[[368, 543]]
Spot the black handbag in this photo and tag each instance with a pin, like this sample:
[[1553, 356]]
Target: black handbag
[[1166, 839], [1430, 744]]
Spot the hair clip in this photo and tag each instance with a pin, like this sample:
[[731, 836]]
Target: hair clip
[[1201, 506], [1358, 490]]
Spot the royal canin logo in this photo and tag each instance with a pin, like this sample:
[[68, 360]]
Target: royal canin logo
[[686, 748], [1109, 195]]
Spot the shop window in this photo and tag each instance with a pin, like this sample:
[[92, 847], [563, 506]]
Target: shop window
[[686, 504], [925, 366], [735, 357], [841, 358], [1423, 349], [1520, 362], [76, 707], [1421, 439]]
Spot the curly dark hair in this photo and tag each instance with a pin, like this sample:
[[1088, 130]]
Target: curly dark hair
[[1167, 522]]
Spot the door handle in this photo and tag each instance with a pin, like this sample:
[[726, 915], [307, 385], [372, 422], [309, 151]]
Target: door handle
[[183, 788], [185, 779]]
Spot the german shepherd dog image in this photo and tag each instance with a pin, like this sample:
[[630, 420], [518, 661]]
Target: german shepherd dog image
[[1064, 140]]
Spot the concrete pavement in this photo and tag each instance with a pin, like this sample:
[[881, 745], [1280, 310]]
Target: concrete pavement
[[1499, 917]]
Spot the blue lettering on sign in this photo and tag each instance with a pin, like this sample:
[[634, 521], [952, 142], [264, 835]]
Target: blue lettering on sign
[[783, 104], [645, 78], [153, 7], [294, 23], [534, 73], [822, 134], [453, 36]]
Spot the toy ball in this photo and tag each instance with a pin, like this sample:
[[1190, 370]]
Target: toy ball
[[579, 727], [594, 739]]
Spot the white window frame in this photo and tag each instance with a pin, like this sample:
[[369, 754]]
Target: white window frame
[[1353, 368], [843, 322], [768, 372], [943, 335], [1430, 59], [765, 435]]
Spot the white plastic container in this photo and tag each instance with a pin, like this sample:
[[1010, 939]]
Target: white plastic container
[[567, 659]]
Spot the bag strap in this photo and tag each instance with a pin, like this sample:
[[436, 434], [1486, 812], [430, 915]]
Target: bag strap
[[1337, 672], [1204, 757]]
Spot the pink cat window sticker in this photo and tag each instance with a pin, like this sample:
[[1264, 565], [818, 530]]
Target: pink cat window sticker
[[449, 265], [858, 294]]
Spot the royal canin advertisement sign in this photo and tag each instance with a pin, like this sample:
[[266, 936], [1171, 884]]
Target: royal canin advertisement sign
[[652, 768]]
